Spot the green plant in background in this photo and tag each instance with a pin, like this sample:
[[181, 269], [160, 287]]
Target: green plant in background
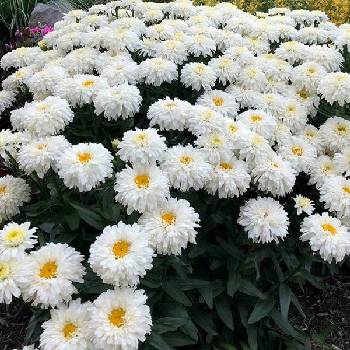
[[14, 14]]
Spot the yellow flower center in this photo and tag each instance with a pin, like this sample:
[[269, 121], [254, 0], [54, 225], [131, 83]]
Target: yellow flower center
[[216, 141], [142, 181], [329, 228], [84, 157], [297, 151], [14, 237], [346, 189], [20, 74], [208, 114], [69, 329], [255, 118], [257, 140], [117, 317], [225, 166], [88, 83], [48, 270], [291, 109], [41, 146], [168, 218], [341, 129], [170, 105], [199, 69], [311, 70], [232, 128], [186, 160], [4, 270], [2, 190], [303, 94], [120, 249], [275, 165], [310, 134], [42, 108], [141, 138], [218, 101]]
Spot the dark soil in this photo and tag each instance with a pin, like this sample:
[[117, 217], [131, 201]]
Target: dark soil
[[327, 314], [13, 322]]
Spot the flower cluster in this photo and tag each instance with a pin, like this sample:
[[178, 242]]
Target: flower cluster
[[244, 108]]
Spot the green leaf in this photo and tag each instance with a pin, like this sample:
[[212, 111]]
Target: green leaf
[[89, 216], [233, 282], [203, 320], [252, 332], [285, 295], [158, 342], [179, 339], [223, 308], [228, 347], [207, 294], [261, 309], [190, 329], [175, 293], [248, 288], [168, 324]]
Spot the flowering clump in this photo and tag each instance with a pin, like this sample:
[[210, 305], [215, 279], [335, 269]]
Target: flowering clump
[[173, 170]]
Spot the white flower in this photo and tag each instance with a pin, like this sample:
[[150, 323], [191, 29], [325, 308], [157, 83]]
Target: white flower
[[303, 204], [186, 167], [214, 145], [172, 50], [321, 168], [293, 114], [335, 192], [335, 134], [253, 147], [81, 89], [229, 178], [43, 83], [68, 328], [41, 154], [342, 161], [80, 61], [16, 80], [116, 39], [15, 239], [7, 98], [335, 87], [21, 57], [14, 192], [118, 101], [307, 76], [299, 153], [264, 219], [141, 146], [219, 101], [155, 71], [46, 276], [43, 118], [252, 77], [121, 255], [204, 120], [120, 71], [327, 236], [141, 188], [85, 166], [197, 76], [260, 122], [226, 69], [169, 114], [120, 319], [9, 287], [200, 45], [171, 226], [274, 175]]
